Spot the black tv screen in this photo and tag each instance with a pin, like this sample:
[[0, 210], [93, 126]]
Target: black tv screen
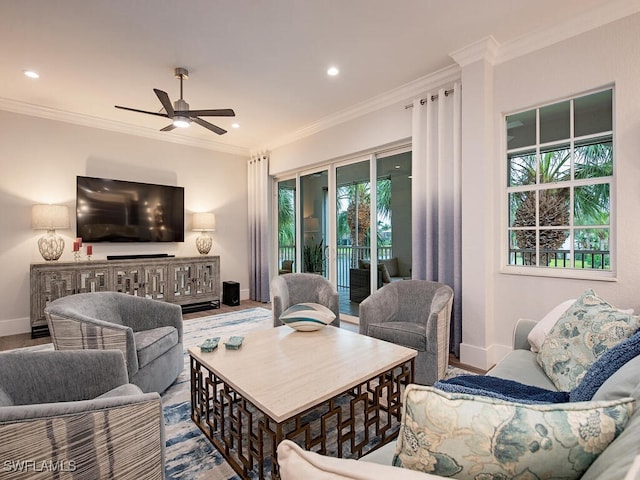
[[121, 211]]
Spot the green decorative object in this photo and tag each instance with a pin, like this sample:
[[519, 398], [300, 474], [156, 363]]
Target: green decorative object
[[209, 345], [234, 343]]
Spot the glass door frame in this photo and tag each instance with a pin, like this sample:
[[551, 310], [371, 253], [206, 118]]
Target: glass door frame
[[331, 228]]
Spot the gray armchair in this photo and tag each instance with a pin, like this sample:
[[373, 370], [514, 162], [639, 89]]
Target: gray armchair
[[414, 314], [74, 414], [292, 288], [148, 333]]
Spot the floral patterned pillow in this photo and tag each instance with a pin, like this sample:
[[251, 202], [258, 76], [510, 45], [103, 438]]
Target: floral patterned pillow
[[476, 438], [590, 327]]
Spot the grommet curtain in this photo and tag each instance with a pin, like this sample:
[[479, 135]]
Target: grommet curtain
[[258, 190]]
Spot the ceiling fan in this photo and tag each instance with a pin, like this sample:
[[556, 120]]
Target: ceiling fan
[[179, 112]]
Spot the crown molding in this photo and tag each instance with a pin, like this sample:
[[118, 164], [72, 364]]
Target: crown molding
[[111, 125], [484, 49], [580, 23], [400, 94]]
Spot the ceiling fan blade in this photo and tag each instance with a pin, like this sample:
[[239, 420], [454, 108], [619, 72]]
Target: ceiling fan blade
[[164, 100], [168, 128], [210, 126], [220, 112], [142, 111]]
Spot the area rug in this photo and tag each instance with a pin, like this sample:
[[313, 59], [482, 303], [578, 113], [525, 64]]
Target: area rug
[[189, 455]]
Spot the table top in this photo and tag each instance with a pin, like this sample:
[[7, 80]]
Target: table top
[[284, 372]]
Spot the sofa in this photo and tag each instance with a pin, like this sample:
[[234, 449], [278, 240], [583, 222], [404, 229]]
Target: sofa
[[74, 415], [148, 332], [360, 278], [619, 461]]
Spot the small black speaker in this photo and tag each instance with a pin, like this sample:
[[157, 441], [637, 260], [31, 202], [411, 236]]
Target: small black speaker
[[231, 293]]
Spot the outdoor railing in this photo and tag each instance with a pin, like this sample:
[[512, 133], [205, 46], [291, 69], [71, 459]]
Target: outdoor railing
[[346, 258], [584, 259]]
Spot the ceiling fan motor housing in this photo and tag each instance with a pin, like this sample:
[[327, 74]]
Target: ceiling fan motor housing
[[180, 105]]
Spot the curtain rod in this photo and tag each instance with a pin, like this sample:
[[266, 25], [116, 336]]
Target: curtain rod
[[432, 98]]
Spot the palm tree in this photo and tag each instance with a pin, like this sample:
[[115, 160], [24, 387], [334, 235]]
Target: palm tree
[[286, 216], [591, 202]]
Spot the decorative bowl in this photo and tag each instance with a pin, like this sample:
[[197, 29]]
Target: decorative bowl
[[307, 317]]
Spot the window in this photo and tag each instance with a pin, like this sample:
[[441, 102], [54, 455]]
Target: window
[[559, 177]]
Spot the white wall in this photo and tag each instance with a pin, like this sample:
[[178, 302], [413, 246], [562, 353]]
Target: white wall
[[605, 56], [39, 162], [493, 301]]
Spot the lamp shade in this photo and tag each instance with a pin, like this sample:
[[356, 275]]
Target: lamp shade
[[49, 217], [204, 222]]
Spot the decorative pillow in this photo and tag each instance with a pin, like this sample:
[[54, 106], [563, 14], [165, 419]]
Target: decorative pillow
[[474, 437], [584, 332], [386, 278], [538, 333], [307, 317], [543, 327], [392, 266]]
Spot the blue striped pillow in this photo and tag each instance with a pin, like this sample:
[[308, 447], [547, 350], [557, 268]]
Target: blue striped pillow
[[307, 317]]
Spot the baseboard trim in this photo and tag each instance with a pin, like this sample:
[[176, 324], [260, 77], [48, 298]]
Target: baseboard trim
[[483, 358], [15, 326]]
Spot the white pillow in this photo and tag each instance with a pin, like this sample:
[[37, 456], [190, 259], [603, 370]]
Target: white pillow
[[541, 330], [543, 327], [296, 464]]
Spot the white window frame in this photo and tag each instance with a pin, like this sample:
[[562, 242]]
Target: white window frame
[[557, 272]]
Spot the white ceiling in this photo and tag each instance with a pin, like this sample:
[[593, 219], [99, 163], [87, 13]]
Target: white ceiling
[[266, 59]]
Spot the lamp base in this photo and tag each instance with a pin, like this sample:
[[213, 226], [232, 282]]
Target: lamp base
[[51, 246], [204, 243]]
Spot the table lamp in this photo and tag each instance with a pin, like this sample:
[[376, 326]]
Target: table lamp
[[50, 217], [204, 222]]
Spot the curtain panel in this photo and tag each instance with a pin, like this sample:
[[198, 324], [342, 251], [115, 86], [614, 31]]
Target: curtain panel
[[258, 190], [436, 196]]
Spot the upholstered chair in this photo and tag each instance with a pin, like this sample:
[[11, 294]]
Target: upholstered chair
[[287, 267], [414, 314], [148, 333], [74, 414], [293, 288]]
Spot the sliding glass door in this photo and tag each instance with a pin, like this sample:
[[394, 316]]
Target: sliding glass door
[[338, 223], [314, 211]]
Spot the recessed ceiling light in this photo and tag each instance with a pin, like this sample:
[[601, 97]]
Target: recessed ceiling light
[[235, 125], [31, 74], [333, 71]]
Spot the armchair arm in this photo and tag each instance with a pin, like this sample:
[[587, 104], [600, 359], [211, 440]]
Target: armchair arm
[[118, 437], [141, 313], [521, 332], [53, 376], [379, 307], [329, 297], [279, 299], [82, 332]]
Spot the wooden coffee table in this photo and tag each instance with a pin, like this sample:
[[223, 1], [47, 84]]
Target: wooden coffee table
[[331, 390]]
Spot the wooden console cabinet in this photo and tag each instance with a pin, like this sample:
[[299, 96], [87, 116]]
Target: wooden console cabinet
[[187, 281]]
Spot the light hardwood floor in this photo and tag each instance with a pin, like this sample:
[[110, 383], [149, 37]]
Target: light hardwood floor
[[24, 340]]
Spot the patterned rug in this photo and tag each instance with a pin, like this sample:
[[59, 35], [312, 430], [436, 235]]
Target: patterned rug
[[189, 455]]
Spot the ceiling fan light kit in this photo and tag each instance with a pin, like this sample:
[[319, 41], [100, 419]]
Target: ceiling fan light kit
[[179, 113]]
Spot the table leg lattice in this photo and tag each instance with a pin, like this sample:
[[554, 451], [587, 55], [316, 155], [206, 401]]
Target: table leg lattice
[[347, 425]]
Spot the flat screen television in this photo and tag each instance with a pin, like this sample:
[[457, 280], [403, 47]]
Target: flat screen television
[[121, 211]]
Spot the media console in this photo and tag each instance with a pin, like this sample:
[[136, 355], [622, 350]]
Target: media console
[[191, 282]]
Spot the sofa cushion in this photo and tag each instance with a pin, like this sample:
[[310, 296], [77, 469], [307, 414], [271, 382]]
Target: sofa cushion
[[407, 334], [617, 459], [122, 390], [150, 344], [296, 464], [470, 437], [605, 367], [522, 366], [584, 332]]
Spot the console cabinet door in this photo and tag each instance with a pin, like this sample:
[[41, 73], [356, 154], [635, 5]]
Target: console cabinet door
[[89, 280], [46, 286]]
